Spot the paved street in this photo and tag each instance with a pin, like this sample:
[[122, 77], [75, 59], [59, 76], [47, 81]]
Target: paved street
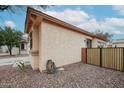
[[11, 60]]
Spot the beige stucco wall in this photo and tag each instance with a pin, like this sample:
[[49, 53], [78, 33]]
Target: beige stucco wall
[[34, 58], [54, 42], [34, 61], [61, 45], [96, 42]]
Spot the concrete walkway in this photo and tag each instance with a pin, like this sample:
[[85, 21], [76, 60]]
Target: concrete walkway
[[10, 61]]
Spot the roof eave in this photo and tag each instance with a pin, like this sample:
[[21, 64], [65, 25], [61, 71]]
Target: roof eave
[[57, 21]]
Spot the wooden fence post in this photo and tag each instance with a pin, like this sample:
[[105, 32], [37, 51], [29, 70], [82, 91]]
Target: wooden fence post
[[84, 55], [100, 57]]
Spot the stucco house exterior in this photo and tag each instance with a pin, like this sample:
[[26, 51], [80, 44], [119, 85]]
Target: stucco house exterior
[[54, 39], [15, 50]]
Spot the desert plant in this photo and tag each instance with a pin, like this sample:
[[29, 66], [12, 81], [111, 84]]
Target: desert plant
[[20, 65]]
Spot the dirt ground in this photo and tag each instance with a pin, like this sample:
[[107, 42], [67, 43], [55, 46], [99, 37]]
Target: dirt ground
[[74, 76]]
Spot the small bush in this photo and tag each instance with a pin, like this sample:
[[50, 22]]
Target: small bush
[[20, 65]]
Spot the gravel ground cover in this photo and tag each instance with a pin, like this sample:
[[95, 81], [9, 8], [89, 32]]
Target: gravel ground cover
[[74, 76]]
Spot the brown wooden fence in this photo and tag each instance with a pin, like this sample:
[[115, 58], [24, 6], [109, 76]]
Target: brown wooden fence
[[106, 57]]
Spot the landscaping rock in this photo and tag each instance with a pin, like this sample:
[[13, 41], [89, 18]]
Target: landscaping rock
[[61, 69]]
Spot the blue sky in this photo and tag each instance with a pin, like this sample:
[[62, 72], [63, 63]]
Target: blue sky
[[91, 18]]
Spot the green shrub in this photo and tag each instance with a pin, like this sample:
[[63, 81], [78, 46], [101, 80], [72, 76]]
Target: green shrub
[[20, 65]]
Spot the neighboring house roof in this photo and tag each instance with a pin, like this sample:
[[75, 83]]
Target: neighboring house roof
[[118, 41], [23, 41], [32, 12]]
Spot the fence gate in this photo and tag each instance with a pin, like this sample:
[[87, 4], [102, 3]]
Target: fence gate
[[106, 57]]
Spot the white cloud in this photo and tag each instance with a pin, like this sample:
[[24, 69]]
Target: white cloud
[[119, 8], [70, 16], [90, 25], [117, 32], [114, 21], [9, 24], [111, 25], [88, 22]]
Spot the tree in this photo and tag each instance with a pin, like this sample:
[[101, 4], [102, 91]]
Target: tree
[[10, 38], [107, 36], [1, 37], [12, 8]]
